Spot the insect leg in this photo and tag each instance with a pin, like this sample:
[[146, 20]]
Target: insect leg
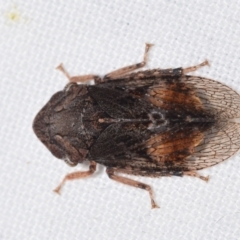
[[83, 78], [122, 71], [76, 175], [196, 67], [195, 174], [132, 183]]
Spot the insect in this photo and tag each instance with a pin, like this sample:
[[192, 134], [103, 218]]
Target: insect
[[158, 122]]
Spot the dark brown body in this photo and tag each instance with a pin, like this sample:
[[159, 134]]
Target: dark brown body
[[150, 123]]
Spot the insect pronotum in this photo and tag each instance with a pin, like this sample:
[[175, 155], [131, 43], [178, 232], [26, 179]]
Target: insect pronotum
[[158, 122]]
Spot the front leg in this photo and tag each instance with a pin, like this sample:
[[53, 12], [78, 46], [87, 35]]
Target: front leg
[[80, 78], [76, 175], [110, 76], [133, 183]]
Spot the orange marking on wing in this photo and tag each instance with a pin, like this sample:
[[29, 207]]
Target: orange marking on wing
[[161, 96], [164, 144]]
